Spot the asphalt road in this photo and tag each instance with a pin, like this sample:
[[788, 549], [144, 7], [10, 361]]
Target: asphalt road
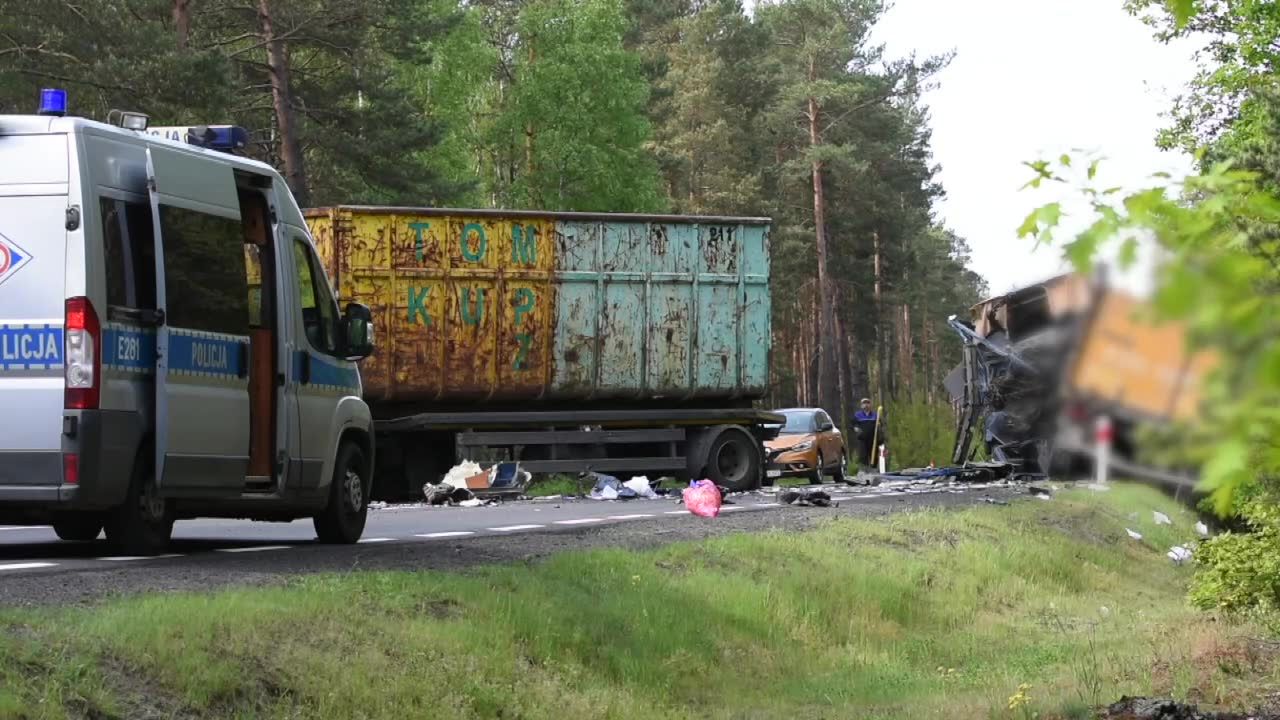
[[37, 568]]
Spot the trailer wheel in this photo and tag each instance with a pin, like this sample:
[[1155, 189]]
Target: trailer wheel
[[343, 518], [733, 460]]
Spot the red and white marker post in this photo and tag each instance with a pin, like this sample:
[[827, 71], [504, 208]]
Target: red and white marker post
[[1103, 434]]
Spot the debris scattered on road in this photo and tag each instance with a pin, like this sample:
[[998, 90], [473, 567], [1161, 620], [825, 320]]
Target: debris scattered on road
[[640, 486], [607, 487], [1202, 530], [1134, 535], [993, 501], [1161, 518], [815, 498], [974, 472], [703, 498], [377, 505], [1179, 554], [458, 474], [446, 494], [501, 479], [476, 502]]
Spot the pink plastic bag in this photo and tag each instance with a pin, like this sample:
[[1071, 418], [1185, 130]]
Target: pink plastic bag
[[702, 498]]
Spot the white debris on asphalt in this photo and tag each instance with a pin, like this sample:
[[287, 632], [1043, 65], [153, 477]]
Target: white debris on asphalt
[[1161, 518], [1134, 535], [1202, 530], [473, 502], [640, 484], [1179, 554], [458, 474]]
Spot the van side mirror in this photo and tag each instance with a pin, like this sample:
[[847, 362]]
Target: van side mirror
[[357, 332]]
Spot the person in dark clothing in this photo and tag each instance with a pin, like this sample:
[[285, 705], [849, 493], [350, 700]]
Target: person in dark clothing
[[867, 434]]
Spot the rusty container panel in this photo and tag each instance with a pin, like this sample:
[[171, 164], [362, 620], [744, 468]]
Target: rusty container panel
[[1143, 367], [511, 306]]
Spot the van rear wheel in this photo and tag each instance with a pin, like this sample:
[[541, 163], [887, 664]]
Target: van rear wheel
[[78, 527], [143, 523], [343, 518]]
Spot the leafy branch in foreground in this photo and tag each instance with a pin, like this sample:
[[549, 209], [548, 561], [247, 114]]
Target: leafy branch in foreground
[[1219, 274]]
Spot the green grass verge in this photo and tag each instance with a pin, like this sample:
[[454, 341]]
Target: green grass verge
[[926, 614], [548, 485]]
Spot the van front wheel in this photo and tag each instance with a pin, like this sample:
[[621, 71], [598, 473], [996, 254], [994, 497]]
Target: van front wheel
[[343, 518]]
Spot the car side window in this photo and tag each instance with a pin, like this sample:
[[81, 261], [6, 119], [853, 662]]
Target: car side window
[[823, 421], [319, 309]]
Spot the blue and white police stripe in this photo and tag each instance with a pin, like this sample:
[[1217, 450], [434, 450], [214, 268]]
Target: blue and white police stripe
[[36, 346], [207, 357]]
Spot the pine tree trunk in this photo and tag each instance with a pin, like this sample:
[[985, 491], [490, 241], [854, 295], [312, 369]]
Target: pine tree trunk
[[182, 22], [282, 101], [880, 344], [826, 302], [844, 407]]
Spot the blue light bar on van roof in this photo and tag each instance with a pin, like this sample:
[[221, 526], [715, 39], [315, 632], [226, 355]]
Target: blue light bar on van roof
[[227, 138], [53, 101]]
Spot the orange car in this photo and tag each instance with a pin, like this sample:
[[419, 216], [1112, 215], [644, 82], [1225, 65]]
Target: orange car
[[808, 445]]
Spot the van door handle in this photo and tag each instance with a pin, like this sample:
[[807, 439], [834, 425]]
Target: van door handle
[[305, 375], [243, 352]]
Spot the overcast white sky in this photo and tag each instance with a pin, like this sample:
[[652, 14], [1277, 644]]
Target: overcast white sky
[[1033, 78]]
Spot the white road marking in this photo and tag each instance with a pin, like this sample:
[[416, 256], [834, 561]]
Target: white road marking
[[27, 527], [678, 512], [127, 558], [732, 507], [513, 528], [579, 521], [456, 533], [629, 517], [768, 504], [26, 566], [257, 548], [376, 540]]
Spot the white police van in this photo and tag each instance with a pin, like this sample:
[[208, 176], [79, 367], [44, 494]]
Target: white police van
[[170, 346]]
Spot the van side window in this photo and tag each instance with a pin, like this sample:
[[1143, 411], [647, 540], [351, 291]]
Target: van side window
[[319, 310], [129, 248], [206, 284]]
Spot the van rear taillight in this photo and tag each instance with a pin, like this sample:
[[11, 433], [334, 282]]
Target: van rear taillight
[[83, 355], [71, 469]]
